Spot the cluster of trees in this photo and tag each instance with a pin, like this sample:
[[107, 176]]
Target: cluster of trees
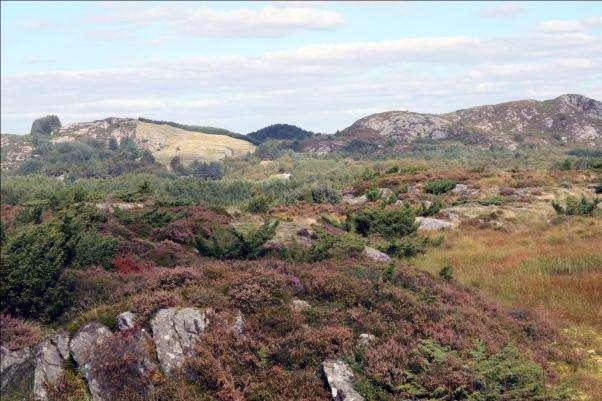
[[280, 132], [199, 169], [87, 158]]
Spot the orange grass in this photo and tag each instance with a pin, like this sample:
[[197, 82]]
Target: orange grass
[[554, 269]]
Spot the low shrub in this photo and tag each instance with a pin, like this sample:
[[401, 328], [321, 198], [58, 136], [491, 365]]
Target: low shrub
[[429, 210], [93, 249], [230, 243], [258, 205], [411, 246], [390, 223], [439, 187], [373, 194], [324, 194], [493, 200], [576, 207], [32, 265]]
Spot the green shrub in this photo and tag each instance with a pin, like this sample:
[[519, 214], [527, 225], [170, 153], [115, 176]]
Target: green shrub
[[323, 194], [493, 200], [92, 249], [430, 210], [45, 125], [439, 187], [446, 273], [576, 207], [411, 246], [373, 194], [33, 284], [393, 223], [232, 244], [32, 212], [258, 204]]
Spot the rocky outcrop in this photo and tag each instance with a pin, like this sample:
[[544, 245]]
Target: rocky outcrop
[[366, 339], [430, 224], [376, 255], [340, 379], [464, 190], [175, 333], [16, 368], [352, 200], [50, 365], [126, 321], [299, 305], [83, 347]]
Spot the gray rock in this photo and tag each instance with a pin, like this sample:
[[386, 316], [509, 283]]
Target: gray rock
[[385, 192], [175, 333], [239, 323], [464, 190], [340, 379], [352, 200], [83, 347], [126, 321], [299, 305], [50, 365], [376, 255], [366, 339], [16, 368], [430, 224]]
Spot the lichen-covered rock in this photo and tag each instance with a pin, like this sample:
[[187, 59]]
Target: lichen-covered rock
[[83, 347], [430, 224], [16, 368], [464, 190], [299, 305], [366, 339], [376, 255], [238, 326], [175, 333], [352, 200], [340, 379], [50, 365], [126, 320]]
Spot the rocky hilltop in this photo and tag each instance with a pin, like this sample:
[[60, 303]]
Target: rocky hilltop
[[164, 140], [567, 119]]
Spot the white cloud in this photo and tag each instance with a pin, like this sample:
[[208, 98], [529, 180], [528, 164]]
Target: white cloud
[[215, 23], [507, 10], [571, 25], [322, 87]]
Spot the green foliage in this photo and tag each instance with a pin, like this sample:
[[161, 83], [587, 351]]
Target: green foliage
[[566, 165], [281, 132], [373, 194], [232, 244], [32, 212], [446, 273], [493, 200], [45, 125], [389, 223], [258, 204], [389, 273], [410, 246], [508, 376], [435, 206], [33, 261], [576, 207], [324, 194], [439, 187], [94, 250]]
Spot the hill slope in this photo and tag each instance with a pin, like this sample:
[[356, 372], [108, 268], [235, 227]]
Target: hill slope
[[163, 140], [567, 119]]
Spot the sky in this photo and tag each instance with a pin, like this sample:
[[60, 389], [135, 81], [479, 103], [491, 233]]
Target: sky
[[319, 65]]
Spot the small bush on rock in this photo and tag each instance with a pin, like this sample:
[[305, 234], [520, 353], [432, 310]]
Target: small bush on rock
[[390, 223], [232, 244], [439, 187], [576, 207]]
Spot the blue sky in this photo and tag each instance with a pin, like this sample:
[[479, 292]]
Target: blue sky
[[320, 65]]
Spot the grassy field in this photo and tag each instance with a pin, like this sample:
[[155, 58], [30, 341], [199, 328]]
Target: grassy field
[[170, 141]]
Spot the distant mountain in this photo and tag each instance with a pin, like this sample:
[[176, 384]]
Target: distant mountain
[[567, 119], [281, 132], [163, 140]]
